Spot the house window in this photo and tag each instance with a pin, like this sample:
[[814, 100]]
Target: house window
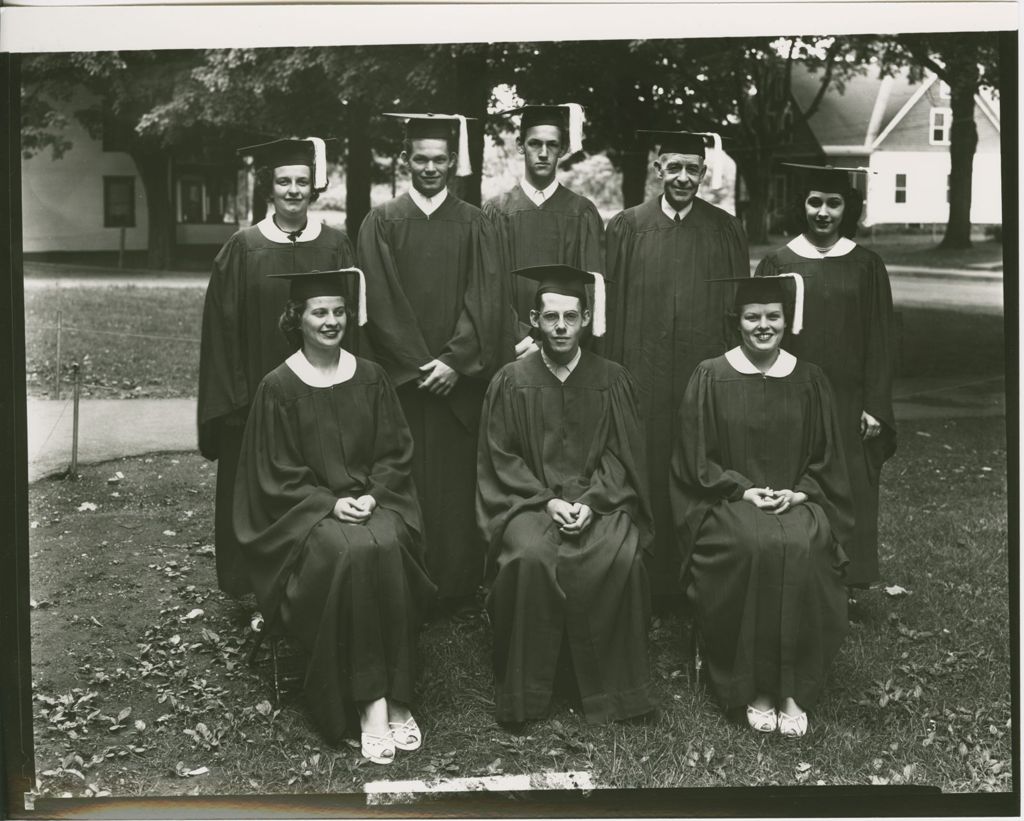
[[119, 202], [939, 121], [901, 188], [206, 197]]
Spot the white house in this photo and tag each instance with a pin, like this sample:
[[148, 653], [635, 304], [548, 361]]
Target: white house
[[900, 130]]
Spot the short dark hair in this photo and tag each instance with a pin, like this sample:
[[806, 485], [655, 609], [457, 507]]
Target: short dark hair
[[537, 300], [563, 136], [407, 144], [263, 187], [290, 322], [853, 200]]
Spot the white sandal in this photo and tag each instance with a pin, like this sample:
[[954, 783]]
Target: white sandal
[[792, 726], [764, 721], [380, 749], [406, 734]]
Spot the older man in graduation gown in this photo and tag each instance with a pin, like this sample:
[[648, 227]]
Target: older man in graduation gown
[[438, 311], [664, 317], [241, 341], [561, 502], [850, 336], [540, 221]]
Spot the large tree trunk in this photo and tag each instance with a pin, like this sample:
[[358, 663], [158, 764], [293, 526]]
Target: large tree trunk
[[634, 177], [756, 175], [963, 140], [358, 164], [154, 169], [472, 92]]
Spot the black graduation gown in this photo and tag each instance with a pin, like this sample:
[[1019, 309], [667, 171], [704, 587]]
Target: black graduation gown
[[663, 320], [767, 590], [240, 344], [434, 291], [848, 332], [565, 229], [350, 595], [579, 441]]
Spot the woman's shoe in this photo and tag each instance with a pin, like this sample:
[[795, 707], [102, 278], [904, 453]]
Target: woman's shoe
[[764, 721], [380, 749], [406, 734], [792, 726]]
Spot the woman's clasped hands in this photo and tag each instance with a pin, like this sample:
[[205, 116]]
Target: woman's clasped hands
[[354, 511], [774, 501]]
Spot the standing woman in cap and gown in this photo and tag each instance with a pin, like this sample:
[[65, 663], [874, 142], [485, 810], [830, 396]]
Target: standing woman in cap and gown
[[763, 513], [664, 317], [438, 318], [562, 503], [240, 338], [541, 222], [326, 515], [850, 336]]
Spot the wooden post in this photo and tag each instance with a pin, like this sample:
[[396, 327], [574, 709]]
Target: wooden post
[[73, 473], [56, 378], [120, 249]]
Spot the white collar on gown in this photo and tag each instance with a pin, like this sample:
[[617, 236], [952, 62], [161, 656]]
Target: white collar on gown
[[800, 246], [783, 366], [270, 230], [301, 367], [428, 205]]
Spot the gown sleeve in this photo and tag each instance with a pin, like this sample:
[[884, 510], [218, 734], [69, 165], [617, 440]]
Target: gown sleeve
[[394, 334], [506, 485], [223, 388], [767, 267], [503, 241], [697, 478], [824, 478], [278, 499], [878, 364], [618, 251]]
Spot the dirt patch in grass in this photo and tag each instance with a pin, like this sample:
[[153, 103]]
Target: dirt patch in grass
[[126, 617], [131, 342]]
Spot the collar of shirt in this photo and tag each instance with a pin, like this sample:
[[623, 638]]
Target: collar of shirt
[[783, 366], [428, 205], [302, 368], [538, 195], [270, 230], [802, 247], [561, 372], [671, 212]]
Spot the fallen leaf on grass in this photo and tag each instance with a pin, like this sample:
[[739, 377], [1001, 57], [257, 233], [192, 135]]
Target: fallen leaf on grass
[[38, 605], [170, 533], [87, 506], [922, 433], [95, 621], [205, 550], [896, 590], [185, 772], [117, 477], [264, 708], [193, 614]]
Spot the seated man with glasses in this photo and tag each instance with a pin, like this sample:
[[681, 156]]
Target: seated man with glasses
[[561, 501]]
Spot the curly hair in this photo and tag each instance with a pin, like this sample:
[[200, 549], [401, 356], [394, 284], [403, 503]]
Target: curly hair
[[290, 322], [263, 187], [732, 322], [796, 219]]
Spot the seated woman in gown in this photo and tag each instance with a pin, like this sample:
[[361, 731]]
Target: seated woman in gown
[[762, 508], [329, 524]]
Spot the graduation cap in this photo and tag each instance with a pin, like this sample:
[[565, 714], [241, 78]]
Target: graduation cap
[[766, 289], [689, 142], [311, 151], [570, 281], [310, 284], [440, 127], [829, 178], [569, 117]]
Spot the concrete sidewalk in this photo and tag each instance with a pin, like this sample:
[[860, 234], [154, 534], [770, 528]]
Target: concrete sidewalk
[[112, 428]]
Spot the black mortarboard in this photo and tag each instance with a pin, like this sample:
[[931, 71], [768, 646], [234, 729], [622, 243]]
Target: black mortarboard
[[311, 151], [688, 142], [310, 284], [828, 178], [571, 281], [768, 289], [568, 117], [446, 127]]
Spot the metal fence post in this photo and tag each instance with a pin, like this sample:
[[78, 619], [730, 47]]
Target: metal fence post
[[73, 473], [56, 378]]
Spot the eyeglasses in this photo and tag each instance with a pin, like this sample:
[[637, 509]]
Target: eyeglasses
[[553, 317]]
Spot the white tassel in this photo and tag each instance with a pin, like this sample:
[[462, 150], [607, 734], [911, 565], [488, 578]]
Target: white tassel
[[464, 167], [716, 159], [798, 306], [576, 120], [319, 163], [599, 321], [361, 310]]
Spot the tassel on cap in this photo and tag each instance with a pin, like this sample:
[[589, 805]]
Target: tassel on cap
[[464, 168], [798, 304], [599, 302], [576, 120], [319, 163], [716, 158]]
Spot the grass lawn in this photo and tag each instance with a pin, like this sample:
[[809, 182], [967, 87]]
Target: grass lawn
[[139, 681]]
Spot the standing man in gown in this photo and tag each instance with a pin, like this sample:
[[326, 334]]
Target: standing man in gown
[[563, 506], [541, 222], [438, 314], [241, 341], [849, 336], [665, 317]]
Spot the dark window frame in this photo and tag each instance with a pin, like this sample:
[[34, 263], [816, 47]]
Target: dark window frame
[[109, 219]]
